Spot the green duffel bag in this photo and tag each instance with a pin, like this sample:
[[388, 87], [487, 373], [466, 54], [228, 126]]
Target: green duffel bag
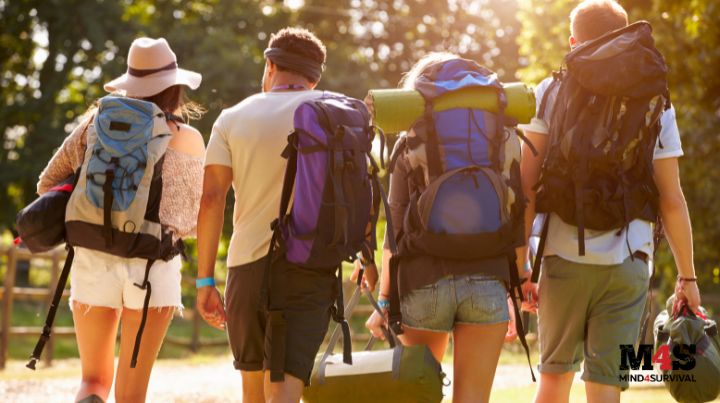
[[401, 374], [701, 383]]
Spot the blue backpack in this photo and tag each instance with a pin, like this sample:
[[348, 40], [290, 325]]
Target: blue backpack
[[466, 169]]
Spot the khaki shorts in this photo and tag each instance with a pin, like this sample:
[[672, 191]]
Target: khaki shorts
[[586, 312]]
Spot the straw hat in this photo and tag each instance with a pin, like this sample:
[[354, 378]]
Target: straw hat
[[152, 68]]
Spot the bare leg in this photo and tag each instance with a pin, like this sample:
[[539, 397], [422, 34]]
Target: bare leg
[[600, 393], [476, 354], [288, 391], [132, 383], [554, 388], [252, 386], [96, 329], [436, 341]]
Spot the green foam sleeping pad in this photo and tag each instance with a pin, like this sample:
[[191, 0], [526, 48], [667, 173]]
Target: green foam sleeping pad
[[395, 110]]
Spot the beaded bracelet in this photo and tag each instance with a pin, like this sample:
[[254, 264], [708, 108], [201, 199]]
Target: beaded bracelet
[[688, 279]]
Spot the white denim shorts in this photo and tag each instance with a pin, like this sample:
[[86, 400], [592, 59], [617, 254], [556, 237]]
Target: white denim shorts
[[101, 279]]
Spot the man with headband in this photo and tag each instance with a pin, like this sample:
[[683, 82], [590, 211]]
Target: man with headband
[[245, 151]]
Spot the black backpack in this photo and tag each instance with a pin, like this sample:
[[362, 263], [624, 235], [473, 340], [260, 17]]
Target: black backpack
[[604, 125]]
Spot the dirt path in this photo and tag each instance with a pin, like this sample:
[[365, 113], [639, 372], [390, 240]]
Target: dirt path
[[173, 381]]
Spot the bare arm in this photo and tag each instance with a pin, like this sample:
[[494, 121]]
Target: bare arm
[[676, 222], [66, 159], [530, 167], [216, 184]]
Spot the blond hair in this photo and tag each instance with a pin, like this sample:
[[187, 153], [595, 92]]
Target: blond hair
[[593, 18], [409, 78]]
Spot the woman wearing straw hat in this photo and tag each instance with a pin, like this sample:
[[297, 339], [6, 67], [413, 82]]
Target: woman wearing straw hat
[[102, 292]]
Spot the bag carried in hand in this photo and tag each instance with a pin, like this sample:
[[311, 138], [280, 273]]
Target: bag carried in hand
[[604, 125], [41, 224], [466, 166], [402, 374], [696, 330]]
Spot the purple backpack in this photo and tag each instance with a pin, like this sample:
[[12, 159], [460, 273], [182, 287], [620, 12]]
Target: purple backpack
[[337, 197], [334, 181]]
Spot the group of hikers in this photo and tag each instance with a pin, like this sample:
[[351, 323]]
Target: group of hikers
[[594, 174]]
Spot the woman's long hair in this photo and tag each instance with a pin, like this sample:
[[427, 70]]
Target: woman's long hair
[[170, 100], [409, 78], [173, 100]]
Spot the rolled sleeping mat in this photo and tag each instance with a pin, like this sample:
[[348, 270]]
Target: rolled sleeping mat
[[395, 110]]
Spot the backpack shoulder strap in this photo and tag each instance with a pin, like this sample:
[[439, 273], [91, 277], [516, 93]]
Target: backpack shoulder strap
[[50, 319], [557, 79]]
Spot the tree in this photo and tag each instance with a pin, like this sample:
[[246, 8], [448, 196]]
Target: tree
[[51, 54]]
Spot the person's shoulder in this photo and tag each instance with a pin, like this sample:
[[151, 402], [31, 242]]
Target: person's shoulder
[[188, 140], [543, 86], [242, 106]]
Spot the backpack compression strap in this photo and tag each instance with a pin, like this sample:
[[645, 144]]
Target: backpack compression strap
[[394, 315], [516, 294], [435, 167], [145, 285], [275, 290], [47, 329], [108, 200]]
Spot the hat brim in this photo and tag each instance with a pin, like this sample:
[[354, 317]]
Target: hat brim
[[143, 87]]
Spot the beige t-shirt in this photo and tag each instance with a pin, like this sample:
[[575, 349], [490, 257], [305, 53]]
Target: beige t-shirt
[[249, 138]]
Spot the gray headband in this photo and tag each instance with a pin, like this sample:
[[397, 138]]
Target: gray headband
[[292, 61]]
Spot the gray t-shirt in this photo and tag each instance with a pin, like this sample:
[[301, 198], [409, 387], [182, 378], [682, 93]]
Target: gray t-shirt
[[604, 248]]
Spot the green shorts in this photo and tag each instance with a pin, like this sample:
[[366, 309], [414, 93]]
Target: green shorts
[[586, 312]]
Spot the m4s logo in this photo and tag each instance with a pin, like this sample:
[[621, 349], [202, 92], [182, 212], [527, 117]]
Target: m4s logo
[[684, 357]]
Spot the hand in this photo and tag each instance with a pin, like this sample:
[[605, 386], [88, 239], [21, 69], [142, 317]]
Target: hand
[[530, 295], [375, 323], [210, 306], [370, 276], [686, 293], [511, 334]]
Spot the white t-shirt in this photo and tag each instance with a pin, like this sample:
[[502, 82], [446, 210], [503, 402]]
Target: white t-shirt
[[603, 248], [249, 138]]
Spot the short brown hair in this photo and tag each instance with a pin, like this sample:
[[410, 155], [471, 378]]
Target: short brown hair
[[301, 42], [594, 18]]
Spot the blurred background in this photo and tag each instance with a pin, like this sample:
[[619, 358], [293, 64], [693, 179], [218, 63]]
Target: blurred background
[[55, 56]]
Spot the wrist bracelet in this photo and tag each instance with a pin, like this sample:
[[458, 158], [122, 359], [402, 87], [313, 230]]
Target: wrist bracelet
[[205, 282], [383, 304], [688, 279]]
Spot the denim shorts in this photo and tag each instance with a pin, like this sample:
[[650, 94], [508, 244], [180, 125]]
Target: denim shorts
[[476, 299]]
